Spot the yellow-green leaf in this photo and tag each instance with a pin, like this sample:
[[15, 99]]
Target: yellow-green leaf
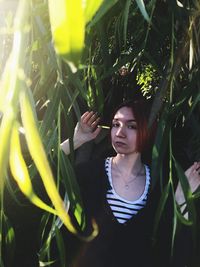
[[13, 71], [5, 130], [20, 171], [91, 7], [40, 159], [68, 28]]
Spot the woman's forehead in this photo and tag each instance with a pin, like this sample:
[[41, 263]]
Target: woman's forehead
[[124, 113]]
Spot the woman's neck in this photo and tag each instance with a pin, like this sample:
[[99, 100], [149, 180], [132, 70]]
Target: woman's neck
[[129, 164]]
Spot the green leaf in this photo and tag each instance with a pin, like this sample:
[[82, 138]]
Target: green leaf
[[13, 71], [182, 219], [126, 16], [91, 7], [160, 145], [174, 229], [61, 247], [189, 200], [5, 132], [161, 207], [38, 154], [46, 263], [68, 28], [20, 172], [46, 236], [142, 8], [72, 189], [105, 7], [51, 112], [10, 242]]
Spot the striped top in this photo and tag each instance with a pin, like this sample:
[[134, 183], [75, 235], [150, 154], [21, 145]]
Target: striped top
[[124, 209]]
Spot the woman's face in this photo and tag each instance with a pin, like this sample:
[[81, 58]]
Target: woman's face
[[124, 131]]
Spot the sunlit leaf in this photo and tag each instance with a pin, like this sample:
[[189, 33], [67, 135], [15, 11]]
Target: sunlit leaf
[[20, 171], [46, 263], [13, 71], [142, 8], [91, 7], [105, 7], [39, 156], [5, 132], [68, 28]]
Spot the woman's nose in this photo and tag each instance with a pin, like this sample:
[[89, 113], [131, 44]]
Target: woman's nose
[[121, 132]]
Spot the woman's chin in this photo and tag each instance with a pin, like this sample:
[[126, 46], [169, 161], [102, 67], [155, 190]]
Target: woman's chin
[[123, 151]]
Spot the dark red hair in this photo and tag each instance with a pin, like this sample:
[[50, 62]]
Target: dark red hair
[[141, 111]]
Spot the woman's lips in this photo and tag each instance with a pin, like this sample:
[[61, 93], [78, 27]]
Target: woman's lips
[[119, 144]]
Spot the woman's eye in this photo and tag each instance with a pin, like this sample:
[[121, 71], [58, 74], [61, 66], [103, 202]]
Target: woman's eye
[[132, 127], [115, 125]]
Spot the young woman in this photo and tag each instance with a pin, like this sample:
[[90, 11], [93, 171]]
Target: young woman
[[117, 193]]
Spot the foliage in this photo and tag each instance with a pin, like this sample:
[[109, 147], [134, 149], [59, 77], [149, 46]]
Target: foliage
[[146, 78], [46, 82]]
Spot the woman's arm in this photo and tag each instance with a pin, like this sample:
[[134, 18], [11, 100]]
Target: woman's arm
[[193, 176], [85, 131]]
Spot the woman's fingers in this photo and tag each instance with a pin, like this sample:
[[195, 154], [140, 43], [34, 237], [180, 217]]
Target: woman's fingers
[[84, 116], [90, 119], [96, 132], [95, 122], [93, 118]]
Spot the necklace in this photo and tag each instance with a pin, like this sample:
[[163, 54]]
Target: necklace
[[127, 183]]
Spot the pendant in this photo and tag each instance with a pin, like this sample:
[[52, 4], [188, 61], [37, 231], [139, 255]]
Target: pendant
[[126, 186]]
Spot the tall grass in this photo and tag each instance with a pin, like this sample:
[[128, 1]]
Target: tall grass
[[62, 54]]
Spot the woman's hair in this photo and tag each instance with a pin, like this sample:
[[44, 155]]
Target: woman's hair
[[141, 112]]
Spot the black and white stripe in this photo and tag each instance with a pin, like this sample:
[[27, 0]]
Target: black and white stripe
[[123, 209]]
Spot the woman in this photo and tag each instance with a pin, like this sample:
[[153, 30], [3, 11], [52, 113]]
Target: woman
[[117, 193]]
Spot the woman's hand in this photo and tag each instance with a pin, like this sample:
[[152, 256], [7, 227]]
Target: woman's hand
[[86, 129], [193, 177]]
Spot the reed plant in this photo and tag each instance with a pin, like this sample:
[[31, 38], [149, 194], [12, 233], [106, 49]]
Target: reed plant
[[65, 56]]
